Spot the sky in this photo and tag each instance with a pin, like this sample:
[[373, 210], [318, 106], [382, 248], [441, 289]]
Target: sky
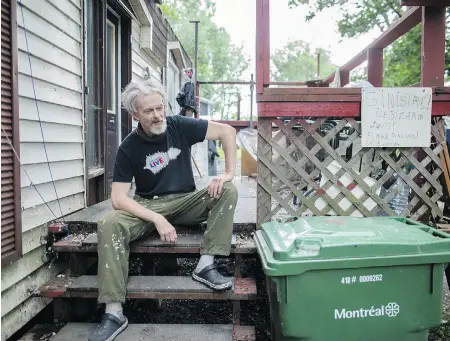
[[238, 17]]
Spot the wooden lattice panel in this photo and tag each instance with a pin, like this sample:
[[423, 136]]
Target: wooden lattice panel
[[318, 167]]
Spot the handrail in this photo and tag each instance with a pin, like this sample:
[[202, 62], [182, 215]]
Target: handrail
[[403, 25]]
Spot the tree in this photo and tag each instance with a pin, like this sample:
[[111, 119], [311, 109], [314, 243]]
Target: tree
[[297, 62], [402, 61], [218, 58], [402, 58], [367, 15]]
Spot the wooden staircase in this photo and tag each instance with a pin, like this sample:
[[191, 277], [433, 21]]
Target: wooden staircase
[[74, 292]]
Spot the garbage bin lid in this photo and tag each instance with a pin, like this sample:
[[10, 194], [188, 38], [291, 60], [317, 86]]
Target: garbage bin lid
[[320, 238]]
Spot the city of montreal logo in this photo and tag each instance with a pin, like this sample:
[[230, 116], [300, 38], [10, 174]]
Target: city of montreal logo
[[391, 310]]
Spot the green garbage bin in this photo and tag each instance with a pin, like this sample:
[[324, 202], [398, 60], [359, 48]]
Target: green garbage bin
[[353, 279]]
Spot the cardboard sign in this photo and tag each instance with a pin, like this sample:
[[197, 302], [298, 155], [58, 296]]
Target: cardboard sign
[[396, 117]]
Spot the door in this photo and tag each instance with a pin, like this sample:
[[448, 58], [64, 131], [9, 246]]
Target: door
[[107, 70], [113, 131]]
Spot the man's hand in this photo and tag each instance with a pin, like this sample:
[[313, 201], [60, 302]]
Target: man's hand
[[216, 185], [227, 135], [165, 229]]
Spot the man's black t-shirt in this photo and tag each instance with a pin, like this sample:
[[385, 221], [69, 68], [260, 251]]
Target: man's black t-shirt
[[160, 165]]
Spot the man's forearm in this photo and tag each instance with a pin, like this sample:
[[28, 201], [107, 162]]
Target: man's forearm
[[229, 148], [127, 204]]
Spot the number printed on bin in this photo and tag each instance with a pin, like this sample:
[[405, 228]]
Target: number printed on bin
[[362, 279]]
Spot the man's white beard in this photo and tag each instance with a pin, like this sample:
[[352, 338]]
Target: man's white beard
[[158, 130]]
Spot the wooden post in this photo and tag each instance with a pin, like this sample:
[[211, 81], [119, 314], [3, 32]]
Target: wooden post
[[237, 303], [79, 264], [239, 106], [433, 60], [263, 195], [345, 77], [318, 65], [375, 67], [262, 45], [433, 46]]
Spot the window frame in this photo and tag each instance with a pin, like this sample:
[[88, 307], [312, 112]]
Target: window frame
[[172, 95]]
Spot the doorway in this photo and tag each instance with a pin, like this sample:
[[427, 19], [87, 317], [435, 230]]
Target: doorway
[[113, 131], [108, 71]]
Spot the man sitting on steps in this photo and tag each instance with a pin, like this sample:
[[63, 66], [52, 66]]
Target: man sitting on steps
[[157, 155]]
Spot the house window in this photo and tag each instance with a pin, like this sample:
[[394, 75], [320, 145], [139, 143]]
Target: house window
[[173, 85], [93, 112], [108, 71], [10, 167]]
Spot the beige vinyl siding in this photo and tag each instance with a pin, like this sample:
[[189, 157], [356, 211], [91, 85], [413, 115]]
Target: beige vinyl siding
[[54, 34]]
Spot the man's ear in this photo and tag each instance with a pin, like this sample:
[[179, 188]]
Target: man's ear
[[135, 117]]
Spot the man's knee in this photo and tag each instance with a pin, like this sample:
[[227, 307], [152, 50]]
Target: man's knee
[[230, 190], [109, 223]]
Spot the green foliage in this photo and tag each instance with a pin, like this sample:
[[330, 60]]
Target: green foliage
[[358, 74], [367, 14], [218, 58], [402, 59], [297, 62]]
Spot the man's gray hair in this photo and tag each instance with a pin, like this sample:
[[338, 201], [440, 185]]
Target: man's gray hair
[[136, 88]]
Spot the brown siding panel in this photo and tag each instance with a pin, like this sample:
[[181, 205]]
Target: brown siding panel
[[162, 33], [11, 227], [159, 31]]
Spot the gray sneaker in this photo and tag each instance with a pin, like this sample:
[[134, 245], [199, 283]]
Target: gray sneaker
[[108, 329]]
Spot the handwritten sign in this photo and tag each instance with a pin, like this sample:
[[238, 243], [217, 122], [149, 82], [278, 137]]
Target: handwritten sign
[[396, 117]]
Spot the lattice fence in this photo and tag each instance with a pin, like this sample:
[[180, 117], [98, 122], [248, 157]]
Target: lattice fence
[[318, 167]]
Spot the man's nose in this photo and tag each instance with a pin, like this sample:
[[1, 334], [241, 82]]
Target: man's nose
[[157, 115]]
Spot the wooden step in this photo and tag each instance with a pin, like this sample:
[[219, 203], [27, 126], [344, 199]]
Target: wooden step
[[245, 213], [151, 287], [40, 332], [179, 332], [188, 242]]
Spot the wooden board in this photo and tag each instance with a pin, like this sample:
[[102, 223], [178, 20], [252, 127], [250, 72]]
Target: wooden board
[[40, 332], [245, 210], [188, 242], [163, 332], [150, 287], [185, 239]]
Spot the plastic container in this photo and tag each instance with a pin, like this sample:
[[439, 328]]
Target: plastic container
[[353, 279]]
